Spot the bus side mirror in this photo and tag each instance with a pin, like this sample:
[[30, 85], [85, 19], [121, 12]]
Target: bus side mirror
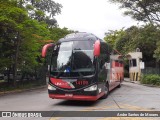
[[45, 48], [97, 48]]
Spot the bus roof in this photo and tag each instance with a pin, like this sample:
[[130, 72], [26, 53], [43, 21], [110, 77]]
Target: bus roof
[[79, 36]]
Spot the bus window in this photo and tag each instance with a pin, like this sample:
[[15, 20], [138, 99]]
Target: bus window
[[116, 63], [104, 56]]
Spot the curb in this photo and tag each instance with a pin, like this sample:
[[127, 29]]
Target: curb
[[132, 81], [21, 90], [151, 85], [142, 84]]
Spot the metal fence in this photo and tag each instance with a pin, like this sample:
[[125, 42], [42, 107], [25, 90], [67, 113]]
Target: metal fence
[[150, 70]]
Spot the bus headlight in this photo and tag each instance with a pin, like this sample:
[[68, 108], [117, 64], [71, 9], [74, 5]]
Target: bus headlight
[[91, 88], [51, 87]]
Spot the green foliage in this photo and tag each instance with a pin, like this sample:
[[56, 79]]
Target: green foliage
[[123, 40], [33, 33], [150, 79], [11, 20], [145, 37], [113, 36], [157, 51], [126, 42], [24, 29], [141, 10], [20, 38], [43, 10]]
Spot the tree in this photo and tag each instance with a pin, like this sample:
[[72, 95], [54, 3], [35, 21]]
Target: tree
[[146, 38], [157, 51], [19, 38], [141, 10], [126, 43], [10, 21], [113, 36], [33, 34], [43, 10]]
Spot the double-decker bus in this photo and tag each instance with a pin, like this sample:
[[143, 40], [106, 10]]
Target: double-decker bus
[[83, 67]]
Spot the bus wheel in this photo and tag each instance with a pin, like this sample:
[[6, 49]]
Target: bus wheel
[[106, 92]]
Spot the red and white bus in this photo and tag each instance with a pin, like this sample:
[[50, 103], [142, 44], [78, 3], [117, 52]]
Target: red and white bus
[[83, 67]]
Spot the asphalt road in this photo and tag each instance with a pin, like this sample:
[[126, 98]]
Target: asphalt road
[[130, 96]]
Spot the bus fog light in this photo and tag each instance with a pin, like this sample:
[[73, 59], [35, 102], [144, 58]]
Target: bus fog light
[[51, 87], [92, 88]]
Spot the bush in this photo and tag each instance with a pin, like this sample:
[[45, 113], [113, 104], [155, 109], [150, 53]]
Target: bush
[[150, 79]]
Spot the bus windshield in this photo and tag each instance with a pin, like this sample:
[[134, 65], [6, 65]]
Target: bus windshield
[[73, 59]]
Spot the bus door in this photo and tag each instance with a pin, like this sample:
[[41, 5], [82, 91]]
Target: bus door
[[101, 75], [108, 70], [113, 75], [102, 62]]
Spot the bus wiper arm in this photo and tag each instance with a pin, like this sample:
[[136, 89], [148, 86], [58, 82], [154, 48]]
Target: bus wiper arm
[[80, 74], [65, 69], [59, 74]]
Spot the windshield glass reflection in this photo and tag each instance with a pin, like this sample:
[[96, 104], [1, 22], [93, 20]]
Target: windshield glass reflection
[[74, 58]]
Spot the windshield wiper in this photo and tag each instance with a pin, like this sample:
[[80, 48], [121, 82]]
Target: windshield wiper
[[59, 73], [66, 69], [80, 74]]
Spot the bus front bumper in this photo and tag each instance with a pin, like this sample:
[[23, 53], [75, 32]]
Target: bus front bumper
[[76, 97]]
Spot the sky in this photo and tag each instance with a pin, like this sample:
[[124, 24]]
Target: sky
[[93, 16]]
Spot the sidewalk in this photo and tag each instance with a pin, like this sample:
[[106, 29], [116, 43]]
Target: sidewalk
[[128, 80], [138, 82], [22, 90]]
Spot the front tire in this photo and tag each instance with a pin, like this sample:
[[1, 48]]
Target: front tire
[[106, 92]]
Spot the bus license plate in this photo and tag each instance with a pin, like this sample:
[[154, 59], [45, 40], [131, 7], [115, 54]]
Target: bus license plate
[[68, 95]]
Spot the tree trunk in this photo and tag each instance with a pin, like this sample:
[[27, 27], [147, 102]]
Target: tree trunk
[[8, 75], [17, 45]]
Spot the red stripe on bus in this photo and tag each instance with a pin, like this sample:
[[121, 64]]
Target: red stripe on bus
[[60, 83]]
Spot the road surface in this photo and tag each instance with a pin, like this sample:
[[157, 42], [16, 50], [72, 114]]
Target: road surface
[[130, 96]]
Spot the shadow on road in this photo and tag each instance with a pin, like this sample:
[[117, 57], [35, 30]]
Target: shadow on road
[[78, 103], [85, 103]]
